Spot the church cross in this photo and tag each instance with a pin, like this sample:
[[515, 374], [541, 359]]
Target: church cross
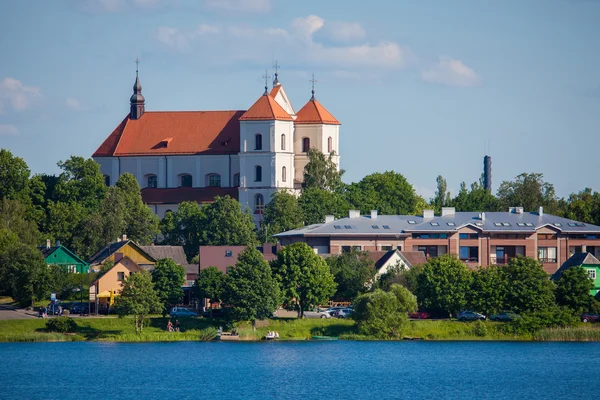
[[266, 78], [137, 64], [313, 81], [276, 67]]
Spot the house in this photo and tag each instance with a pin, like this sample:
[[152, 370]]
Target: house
[[225, 257], [123, 247], [103, 290], [583, 260], [383, 261], [64, 258], [478, 239]]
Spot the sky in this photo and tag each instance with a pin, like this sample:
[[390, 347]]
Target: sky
[[424, 88]]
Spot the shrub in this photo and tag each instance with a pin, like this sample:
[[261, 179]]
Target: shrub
[[479, 329], [532, 322], [377, 314], [61, 325]]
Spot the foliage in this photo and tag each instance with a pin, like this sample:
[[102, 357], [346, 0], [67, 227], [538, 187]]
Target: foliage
[[442, 195], [533, 321], [250, 288], [529, 191], [225, 223], [529, 286], [407, 302], [352, 272], [61, 325], [400, 275], [184, 227], [378, 314], [283, 213], [168, 277], [475, 199], [141, 224], [489, 290], [584, 206], [209, 284], [304, 276], [138, 298], [316, 203], [81, 182], [14, 176], [388, 192], [321, 172], [573, 290], [443, 285], [14, 217], [479, 329]]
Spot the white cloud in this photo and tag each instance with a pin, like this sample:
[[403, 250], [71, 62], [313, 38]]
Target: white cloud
[[102, 6], [345, 31], [73, 104], [181, 40], [9, 130], [386, 55], [306, 27], [18, 96], [451, 72], [255, 6]]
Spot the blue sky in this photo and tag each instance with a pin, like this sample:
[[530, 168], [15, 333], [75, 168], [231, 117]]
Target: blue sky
[[419, 86]]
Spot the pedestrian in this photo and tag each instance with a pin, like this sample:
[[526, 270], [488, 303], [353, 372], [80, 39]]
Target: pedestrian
[[177, 325], [45, 312], [41, 312], [170, 326], [60, 311]]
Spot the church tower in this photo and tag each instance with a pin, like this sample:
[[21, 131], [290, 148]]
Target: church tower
[[266, 150], [315, 128], [137, 100]]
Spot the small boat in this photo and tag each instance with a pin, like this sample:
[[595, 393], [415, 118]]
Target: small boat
[[228, 337], [325, 338]]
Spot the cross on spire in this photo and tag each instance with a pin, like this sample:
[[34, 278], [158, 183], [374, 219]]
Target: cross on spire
[[266, 77], [313, 81], [137, 64], [276, 68]]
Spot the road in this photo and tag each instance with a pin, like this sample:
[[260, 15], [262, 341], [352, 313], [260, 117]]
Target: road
[[11, 312]]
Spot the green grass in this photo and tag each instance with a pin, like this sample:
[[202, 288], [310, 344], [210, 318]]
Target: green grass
[[298, 329], [572, 334]]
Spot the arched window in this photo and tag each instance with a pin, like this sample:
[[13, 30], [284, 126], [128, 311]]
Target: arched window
[[259, 202], [213, 180], [329, 145], [258, 173], [283, 174], [186, 180], [236, 180], [282, 141], [258, 142], [305, 144], [107, 180], [151, 181]]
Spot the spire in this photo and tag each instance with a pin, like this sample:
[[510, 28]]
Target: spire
[[313, 81], [137, 100], [266, 78], [276, 80]]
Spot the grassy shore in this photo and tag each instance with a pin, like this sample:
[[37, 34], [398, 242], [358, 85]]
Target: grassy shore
[[122, 330]]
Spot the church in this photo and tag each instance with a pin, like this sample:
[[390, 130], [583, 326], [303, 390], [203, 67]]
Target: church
[[180, 156]]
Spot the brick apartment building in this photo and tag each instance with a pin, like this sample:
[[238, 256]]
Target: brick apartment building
[[484, 239]]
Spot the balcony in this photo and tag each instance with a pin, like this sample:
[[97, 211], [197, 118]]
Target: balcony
[[495, 260]]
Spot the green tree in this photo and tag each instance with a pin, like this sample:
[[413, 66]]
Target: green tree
[[322, 172], [443, 285], [138, 298], [489, 290], [250, 288], [283, 213], [168, 278], [184, 227], [81, 181], [407, 302], [573, 290], [475, 199], [529, 191], [14, 176], [304, 276], [584, 206], [388, 192], [352, 272], [209, 285], [316, 203], [14, 217], [529, 286], [224, 223], [141, 224], [378, 314], [442, 195]]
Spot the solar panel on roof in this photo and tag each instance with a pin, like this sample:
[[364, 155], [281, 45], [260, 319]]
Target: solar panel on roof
[[386, 227], [375, 226]]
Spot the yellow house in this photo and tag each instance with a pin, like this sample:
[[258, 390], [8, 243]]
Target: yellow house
[[104, 289], [120, 249]]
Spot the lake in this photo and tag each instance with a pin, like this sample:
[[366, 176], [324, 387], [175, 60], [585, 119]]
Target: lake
[[300, 370]]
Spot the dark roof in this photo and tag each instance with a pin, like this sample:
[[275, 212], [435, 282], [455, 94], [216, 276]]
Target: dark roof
[[414, 258], [380, 257], [181, 194], [576, 260], [175, 253]]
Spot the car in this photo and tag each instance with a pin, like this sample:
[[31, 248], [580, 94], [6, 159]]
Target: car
[[344, 313], [78, 308], [470, 316], [318, 313], [333, 310], [182, 312], [53, 308], [588, 317], [505, 316], [419, 315]]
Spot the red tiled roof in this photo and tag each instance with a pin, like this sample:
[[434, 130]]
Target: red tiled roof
[[414, 258], [275, 90], [175, 132], [181, 194], [314, 113], [266, 109]]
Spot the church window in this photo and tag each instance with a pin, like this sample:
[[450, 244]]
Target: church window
[[283, 174], [107, 180], [152, 181], [258, 142], [214, 180], [282, 142], [329, 145], [258, 173], [186, 180], [305, 144], [236, 180], [259, 202]]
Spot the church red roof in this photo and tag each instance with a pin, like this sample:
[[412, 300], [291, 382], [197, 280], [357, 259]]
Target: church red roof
[[175, 132], [266, 109], [314, 113]]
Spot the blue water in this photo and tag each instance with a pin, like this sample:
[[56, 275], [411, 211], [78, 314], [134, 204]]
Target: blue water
[[300, 370]]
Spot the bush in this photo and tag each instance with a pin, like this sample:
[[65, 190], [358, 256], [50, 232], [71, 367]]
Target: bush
[[532, 322], [61, 325], [479, 329], [377, 314]]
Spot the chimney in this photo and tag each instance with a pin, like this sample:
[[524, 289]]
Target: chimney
[[448, 211], [541, 211], [48, 243], [118, 239], [329, 218], [58, 242], [482, 216], [487, 173], [583, 248], [124, 237], [118, 257], [373, 214], [354, 214], [267, 248], [428, 214]]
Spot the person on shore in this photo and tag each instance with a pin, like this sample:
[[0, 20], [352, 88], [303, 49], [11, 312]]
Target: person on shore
[[45, 312], [170, 326], [41, 312], [177, 326], [60, 311], [276, 335]]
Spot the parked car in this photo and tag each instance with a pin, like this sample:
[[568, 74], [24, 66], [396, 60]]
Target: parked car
[[344, 313], [318, 313], [470, 316], [53, 308], [333, 310], [216, 313], [182, 312], [587, 317], [505, 316], [419, 315], [78, 308]]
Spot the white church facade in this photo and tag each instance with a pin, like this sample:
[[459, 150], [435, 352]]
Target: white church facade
[[180, 156]]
